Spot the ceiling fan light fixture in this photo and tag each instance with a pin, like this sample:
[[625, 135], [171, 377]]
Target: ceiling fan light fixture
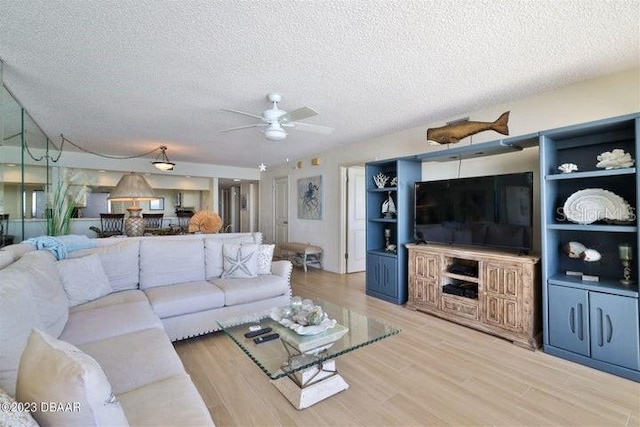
[[276, 119], [275, 133], [162, 162]]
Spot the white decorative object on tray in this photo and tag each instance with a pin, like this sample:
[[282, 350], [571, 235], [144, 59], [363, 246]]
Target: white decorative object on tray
[[381, 180], [614, 159], [595, 204], [568, 167], [308, 330], [303, 319]]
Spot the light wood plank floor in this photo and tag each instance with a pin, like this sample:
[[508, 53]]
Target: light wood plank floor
[[433, 373]]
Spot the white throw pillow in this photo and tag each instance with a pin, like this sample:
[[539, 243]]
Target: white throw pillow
[[265, 256], [240, 261], [13, 414], [213, 259], [84, 279], [120, 262], [54, 372]]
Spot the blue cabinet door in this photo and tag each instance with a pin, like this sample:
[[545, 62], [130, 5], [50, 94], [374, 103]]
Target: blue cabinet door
[[569, 319], [382, 275], [374, 273], [614, 329], [389, 271]]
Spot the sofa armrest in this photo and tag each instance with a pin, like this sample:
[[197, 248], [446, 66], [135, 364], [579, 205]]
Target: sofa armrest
[[282, 268]]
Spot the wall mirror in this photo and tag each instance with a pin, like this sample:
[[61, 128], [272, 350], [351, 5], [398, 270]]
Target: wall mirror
[[29, 171]]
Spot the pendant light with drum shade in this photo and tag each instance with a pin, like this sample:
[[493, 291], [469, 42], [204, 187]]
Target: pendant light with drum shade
[[133, 187]]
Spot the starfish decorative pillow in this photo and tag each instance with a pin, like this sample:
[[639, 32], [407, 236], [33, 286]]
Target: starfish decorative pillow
[[240, 261]]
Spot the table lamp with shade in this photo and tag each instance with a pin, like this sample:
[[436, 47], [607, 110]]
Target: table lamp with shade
[[133, 187]]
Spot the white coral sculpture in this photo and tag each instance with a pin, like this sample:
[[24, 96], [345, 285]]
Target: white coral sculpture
[[381, 180], [568, 167], [615, 159]]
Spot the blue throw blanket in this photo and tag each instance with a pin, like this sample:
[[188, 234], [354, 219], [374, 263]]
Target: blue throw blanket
[[60, 246]]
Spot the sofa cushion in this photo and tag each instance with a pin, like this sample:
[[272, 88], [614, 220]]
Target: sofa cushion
[[105, 322], [174, 300], [11, 415], [114, 298], [46, 287], [169, 261], [84, 279], [240, 261], [214, 263], [6, 258], [171, 402], [18, 315], [133, 360], [168, 301], [240, 291], [121, 262], [71, 378], [265, 257], [19, 249]]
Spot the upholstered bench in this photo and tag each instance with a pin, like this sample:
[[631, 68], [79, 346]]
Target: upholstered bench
[[302, 254]]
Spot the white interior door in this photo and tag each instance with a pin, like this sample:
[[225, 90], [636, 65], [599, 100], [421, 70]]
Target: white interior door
[[356, 206], [281, 211]]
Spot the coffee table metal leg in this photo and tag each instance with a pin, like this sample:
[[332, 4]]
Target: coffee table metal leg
[[311, 385]]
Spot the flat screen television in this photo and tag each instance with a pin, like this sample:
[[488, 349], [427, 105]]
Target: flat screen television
[[492, 211]]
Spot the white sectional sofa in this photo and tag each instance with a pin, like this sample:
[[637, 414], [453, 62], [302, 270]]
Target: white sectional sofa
[[159, 289]]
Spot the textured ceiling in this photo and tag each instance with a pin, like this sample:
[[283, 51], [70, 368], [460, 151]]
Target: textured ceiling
[[123, 77]]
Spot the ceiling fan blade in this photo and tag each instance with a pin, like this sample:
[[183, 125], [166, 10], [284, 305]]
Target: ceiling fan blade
[[244, 113], [299, 114], [308, 127], [244, 127]]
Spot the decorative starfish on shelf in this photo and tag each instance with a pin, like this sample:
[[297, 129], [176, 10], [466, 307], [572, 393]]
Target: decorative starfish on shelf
[[262, 167]]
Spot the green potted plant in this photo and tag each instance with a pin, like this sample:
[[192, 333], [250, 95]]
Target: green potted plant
[[62, 201]]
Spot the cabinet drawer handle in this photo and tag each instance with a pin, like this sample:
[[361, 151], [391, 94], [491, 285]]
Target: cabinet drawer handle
[[600, 328], [609, 329], [572, 320], [580, 326]]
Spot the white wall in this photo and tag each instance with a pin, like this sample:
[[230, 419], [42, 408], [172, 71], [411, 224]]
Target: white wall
[[609, 96]]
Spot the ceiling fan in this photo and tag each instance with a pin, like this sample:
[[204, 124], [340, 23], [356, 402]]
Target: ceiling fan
[[276, 120]]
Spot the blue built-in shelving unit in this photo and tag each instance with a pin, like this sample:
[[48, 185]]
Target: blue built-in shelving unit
[[595, 323], [387, 270]]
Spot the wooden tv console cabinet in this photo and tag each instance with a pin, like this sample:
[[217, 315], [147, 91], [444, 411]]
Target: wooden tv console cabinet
[[508, 290]]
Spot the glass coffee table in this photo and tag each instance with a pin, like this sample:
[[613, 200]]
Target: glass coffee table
[[303, 368]]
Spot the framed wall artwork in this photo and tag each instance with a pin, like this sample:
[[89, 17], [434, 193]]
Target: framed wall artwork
[[310, 198], [157, 205]]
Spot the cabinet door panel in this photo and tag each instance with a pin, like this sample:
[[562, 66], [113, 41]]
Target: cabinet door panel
[[511, 277], [568, 319], [389, 279], [493, 309], [374, 273], [512, 316], [614, 329], [426, 265], [493, 279], [423, 291]]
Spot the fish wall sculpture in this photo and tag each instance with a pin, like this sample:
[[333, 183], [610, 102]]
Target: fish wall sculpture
[[453, 133]]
